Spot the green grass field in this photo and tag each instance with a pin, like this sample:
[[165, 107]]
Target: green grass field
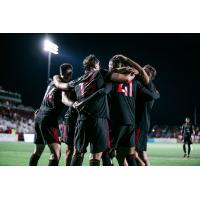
[[18, 153]]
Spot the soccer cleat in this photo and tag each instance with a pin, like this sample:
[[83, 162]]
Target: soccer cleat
[[184, 155], [188, 156]]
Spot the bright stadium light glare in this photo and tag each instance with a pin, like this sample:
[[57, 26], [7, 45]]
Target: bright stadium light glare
[[50, 47]]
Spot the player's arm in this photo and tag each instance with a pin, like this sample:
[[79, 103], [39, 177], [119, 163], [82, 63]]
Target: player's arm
[[66, 99], [59, 83], [122, 78], [123, 75], [133, 64]]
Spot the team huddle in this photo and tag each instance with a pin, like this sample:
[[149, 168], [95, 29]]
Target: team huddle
[[109, 111]]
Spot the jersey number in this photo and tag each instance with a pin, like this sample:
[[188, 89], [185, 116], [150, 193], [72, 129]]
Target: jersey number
[[124, 89]]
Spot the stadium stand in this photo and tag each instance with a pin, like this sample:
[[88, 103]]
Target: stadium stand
[[15, 118]]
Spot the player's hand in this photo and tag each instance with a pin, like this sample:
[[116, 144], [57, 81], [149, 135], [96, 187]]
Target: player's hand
[[124, 70], [120, 56], [78, 106], [134, 71]]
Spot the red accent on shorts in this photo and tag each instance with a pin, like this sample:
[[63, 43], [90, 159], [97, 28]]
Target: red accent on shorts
[[55, 134], [137, 134], [108, 134]]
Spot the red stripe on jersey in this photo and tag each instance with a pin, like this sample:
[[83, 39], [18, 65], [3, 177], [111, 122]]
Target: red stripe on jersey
[[131, 88], [55, 134], [137, 134]]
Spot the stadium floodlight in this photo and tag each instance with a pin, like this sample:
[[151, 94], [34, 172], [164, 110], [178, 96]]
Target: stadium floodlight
[[51, 48]]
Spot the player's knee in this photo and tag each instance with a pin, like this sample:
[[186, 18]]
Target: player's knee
[[69, 150], [132, 151], [78, 154], [38, 150], [96, 156]]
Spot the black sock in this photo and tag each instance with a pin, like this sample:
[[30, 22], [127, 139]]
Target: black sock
[[120, 157], [94, 162], [77, 160], [53, 163], [34, 160], [189, 149], [184, 148], [106, 159], [131, 160]]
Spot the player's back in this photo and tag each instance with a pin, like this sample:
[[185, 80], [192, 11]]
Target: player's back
[[85, 86], [51, 105], [122, 102], [143, 109]]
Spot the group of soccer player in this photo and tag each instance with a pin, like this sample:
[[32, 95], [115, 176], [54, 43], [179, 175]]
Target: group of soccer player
[[107, 109]]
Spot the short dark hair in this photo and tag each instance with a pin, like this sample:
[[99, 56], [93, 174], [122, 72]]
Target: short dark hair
[[90, 61], [116, 62], [152, 70], [64, 67]]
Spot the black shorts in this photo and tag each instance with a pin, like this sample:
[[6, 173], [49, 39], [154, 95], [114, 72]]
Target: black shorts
[[187, 140], [69, 133], [123, 136], [46, 131], [141, 140], [93, 131]]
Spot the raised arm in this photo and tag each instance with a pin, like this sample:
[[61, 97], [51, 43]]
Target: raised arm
[[122, 78], [133, 64]]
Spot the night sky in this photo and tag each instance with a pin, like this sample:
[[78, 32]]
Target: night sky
[[176, 57]]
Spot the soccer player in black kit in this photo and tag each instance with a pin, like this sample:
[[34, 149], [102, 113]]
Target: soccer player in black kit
[[70, 119], [92, 124], [187, 131], [46, 121], [122, 110], [143, 110]]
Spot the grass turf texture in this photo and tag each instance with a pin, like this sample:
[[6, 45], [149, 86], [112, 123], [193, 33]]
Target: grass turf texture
[[18, 154]]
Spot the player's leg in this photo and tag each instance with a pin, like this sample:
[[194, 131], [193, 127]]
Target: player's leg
[[106, 158], [69, 141], [69, 154], [39, 145], [80, 143], [144, 158], [39, 148], [77, 159], [95, 159], [55, 149], [184, 148], [98, 131], [131, 157], [52, 136], [189, 147], [189, 150], [121, 157], [128, 141]]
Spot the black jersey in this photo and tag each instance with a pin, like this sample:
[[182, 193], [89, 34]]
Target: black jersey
[[52, 105], [71, 114], [122, 101], [85, 86], [187, 130], [144, 107]]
